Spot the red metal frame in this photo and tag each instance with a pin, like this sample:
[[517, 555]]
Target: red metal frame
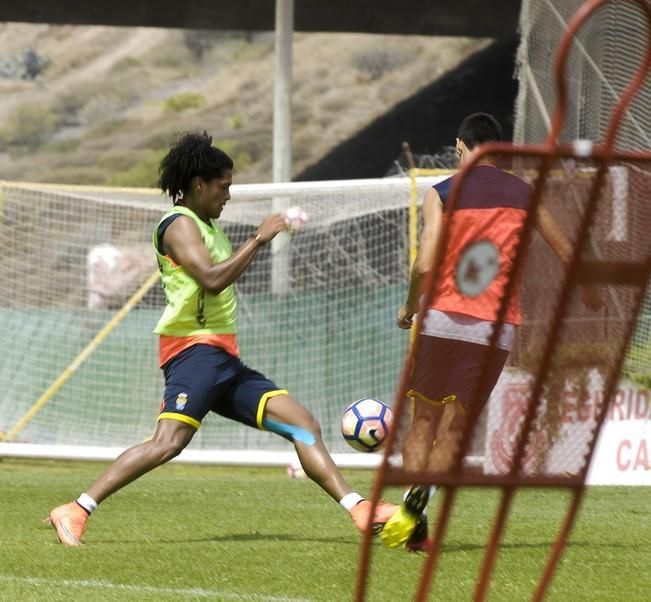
[[633, 273]]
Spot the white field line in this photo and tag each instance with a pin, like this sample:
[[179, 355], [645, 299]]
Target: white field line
[[196, 592]]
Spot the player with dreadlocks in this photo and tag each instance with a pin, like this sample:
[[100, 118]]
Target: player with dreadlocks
[[199, 353]]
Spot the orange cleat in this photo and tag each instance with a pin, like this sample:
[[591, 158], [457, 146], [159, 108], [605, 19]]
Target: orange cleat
[[69, 520], [383, 512]]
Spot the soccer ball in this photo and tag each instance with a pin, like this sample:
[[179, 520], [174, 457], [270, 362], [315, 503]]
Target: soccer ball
[[295, 218], [366, 423]]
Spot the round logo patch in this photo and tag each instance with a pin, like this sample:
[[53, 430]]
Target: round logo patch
[[478, 266]]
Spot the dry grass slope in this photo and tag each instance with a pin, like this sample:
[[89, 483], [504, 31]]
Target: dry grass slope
[[107, 101]]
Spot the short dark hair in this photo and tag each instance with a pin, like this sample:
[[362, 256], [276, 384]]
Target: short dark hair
[[192, 155], [479, 128]]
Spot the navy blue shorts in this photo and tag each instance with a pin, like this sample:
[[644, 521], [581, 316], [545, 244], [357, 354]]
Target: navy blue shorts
[[204, 379], [448, 370]]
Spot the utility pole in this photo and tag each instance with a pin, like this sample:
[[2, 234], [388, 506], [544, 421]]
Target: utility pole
[[282, 137]]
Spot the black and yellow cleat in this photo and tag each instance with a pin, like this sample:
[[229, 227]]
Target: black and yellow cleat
[[401, 526]]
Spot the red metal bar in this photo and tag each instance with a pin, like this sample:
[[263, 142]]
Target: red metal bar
[[492, 547], [559, 546], [431, 563]]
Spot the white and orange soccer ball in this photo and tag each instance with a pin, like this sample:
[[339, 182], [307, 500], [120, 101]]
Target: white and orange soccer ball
[[365, 424]]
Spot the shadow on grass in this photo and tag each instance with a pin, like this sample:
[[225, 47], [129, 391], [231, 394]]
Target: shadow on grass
[[469, 547], [238, 537], [452, 547], [246, 537]]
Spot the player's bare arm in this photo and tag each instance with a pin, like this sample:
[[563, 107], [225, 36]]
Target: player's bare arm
[[183, 243], [554, 236], [425, 257]]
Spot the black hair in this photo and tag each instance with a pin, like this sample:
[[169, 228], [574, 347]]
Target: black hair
[[192, 155], [479, 128]]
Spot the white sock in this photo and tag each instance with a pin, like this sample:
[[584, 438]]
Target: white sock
[[87, 502], [350, 500]]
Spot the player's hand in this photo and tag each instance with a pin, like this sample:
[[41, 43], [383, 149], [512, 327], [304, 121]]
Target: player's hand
[[591, 298], [405, 318], [271, 226]]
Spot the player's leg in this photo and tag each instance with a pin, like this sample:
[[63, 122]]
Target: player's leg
[[317, 462], [420, 436], [470, 375], [448, 435], [304, 431], [409, 524], [170, 438], [189, 383], [258, 402], [432, 387]]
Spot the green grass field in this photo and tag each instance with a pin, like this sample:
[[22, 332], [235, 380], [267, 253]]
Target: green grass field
[[199, 532]]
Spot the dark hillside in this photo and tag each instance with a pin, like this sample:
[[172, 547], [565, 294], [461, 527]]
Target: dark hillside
[[429, 119]]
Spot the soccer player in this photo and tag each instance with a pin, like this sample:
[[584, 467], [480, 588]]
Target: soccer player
[[198, 343], [457, 326]]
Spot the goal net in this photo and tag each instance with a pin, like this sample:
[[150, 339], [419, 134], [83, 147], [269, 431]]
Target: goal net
[[315, 310], [604, 56]]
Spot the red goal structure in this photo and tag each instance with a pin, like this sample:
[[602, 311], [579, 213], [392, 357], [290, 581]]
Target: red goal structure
[[600, 195]]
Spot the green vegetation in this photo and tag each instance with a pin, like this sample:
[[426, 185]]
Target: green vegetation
[[71, 174], [201, 532], [184, 101], [241, 158], [376, 62], [143, 173], [140, 169], [109, 127], [160, 140], [636, 367], [235, 121], [68, 105], [29, 126], [130, 62], [63, 146]]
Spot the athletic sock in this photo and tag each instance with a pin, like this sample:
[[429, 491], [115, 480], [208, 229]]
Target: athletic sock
[[350, 500], [87, 503]]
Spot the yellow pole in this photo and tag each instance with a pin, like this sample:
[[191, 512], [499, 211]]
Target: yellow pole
[[413, 216], [413, 205], [82, 357]]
